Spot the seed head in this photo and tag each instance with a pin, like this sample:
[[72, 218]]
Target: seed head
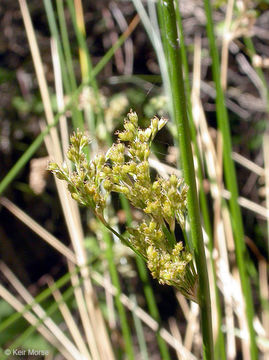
[[125, 169]]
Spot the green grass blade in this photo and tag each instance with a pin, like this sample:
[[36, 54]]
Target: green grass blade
[[231, 182], [220, 343], [83, 46], [182, 122], [126, 332], [140, 333], [31, 329], [55, 34], [154, 36], [66, 43], [68, 80], [149, 294], [38, 299]]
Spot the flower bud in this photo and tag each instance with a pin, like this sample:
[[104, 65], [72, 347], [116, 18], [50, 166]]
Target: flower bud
[[107, 184], [59, 174], [173, 180], [152, 226], [132, 116], [75, 196], [126, 136], [154, 124], [120, 148], [52, 166], [90, 189], [166, 208], [162, 122], [128, 126], [107, 170], [142, 136], [132, 167], [156, 186]]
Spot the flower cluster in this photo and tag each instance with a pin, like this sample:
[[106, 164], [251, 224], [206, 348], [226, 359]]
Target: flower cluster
[[167, 260], [125, 169], [84, 183]]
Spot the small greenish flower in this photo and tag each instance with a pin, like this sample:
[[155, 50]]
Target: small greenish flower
[[125, 169]]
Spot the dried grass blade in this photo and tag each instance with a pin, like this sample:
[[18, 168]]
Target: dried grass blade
[[39, 311], [33, 320], [69, 319], [38, 229], [145, 317]]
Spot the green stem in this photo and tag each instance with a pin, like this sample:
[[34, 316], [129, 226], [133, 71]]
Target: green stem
[[170, 236], [124, 241], [84, 48], [220, 343], [231, 182], [140, 332], [149, 295], [66, 43], [55, 34], [25, 157], [116, 282], [77, 118], [181, 119]]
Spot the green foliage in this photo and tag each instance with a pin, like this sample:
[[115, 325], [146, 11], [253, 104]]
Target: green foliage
[[5, 310], [37, 342]]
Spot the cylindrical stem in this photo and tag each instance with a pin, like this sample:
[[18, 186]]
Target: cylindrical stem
[[231, 182], [181, 119]]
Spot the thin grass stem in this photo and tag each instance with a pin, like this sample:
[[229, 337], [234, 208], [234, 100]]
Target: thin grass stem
[[140, 332], [115, 280], [144, 316], [39, 230], [40, 312], [38, 299], [230, 177], [67, 73], [220, 344], [85, 59], [144, 277], [77, 117], [184, 139], [55, 34], [69, 320], [252, 52], [66, 43], [36, 325]]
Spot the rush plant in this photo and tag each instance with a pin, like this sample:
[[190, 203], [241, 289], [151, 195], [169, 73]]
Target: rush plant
[[125, 169]]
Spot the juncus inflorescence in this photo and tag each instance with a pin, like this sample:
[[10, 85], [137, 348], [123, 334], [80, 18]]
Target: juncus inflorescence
[[125, 169]]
